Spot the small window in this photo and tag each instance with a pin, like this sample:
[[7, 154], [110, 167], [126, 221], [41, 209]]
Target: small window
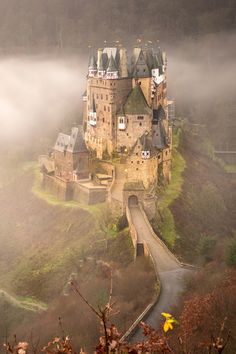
[[132, 161], [140, 117], [136, 169], [105, 108], [138, 162], [140, 124], [166, 152], [103, 120], [127, 134], [159, 157]]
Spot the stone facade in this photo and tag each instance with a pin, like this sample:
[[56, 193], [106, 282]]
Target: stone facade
[[125, 116]]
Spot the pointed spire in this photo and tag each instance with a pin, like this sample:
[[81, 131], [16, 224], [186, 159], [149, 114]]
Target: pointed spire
[[92, 63], [112, 65]]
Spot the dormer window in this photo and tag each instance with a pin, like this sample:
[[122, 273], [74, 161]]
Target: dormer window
[[121, 123], [92, 118], [101, 73], [112, 75], [92, 72], [145, 154]]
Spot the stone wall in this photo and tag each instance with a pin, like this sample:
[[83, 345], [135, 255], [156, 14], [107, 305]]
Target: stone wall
[[166, 164], [73, 190], [58, 187], [144, 170], [109, 95], [66, 163], [136, 126], [127, 194], [132, 230], [88, 196]]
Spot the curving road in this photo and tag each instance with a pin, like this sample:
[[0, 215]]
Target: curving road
[[171, 272]]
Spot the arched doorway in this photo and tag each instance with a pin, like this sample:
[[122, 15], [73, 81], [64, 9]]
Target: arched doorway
[[133, 200]]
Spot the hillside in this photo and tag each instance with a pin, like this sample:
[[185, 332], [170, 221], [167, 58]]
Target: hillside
[[71, 24], [43, 244]]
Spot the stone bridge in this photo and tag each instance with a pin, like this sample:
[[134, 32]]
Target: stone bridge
[[170, 271]]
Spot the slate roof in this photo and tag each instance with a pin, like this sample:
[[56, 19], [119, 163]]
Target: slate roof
[[112, 65], [136, 102], [111, 51], [103, 62], [158, 114], [92, 63], [153, 60], [146, 142], [71, 143], [159, 138]]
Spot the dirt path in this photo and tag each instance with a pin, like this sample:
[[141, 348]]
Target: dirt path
[[170, 271], [24, 304], [117, 190]]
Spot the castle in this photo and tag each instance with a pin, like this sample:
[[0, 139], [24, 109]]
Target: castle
[[125, 124]]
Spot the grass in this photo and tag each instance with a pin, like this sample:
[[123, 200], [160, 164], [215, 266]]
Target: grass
[[165, 219], [53, 200], [230, 168]]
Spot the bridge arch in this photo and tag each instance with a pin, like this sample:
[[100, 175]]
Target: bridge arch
[[133, 200]]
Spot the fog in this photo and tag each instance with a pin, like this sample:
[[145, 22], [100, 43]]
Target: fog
[[37, 94], [203, 69], [40, 95]]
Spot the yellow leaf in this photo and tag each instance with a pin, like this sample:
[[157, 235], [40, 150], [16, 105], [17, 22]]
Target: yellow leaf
[[166, 326], [166, 315]]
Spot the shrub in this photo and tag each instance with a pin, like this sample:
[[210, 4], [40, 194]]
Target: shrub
[[230, 255]]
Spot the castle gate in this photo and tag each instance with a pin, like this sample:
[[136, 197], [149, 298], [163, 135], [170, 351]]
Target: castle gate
[[133, 200]]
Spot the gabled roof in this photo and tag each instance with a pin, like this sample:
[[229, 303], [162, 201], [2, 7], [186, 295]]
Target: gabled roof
[[139, 64], [136, 102], [112, 67], [159, 139], [158, 114], [71, 143], [111, 51], [103, 62], [146, 142]]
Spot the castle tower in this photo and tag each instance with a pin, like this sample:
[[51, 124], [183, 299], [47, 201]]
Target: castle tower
[[122, 106], [92, 69]]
